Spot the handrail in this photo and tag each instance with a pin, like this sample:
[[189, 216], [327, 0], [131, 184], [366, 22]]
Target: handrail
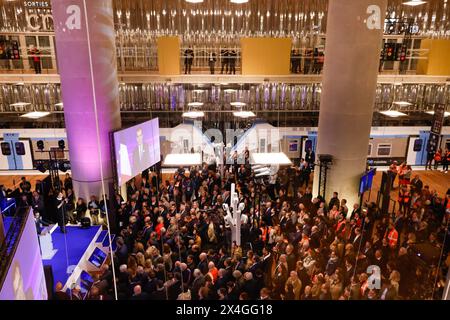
[[13, 236]]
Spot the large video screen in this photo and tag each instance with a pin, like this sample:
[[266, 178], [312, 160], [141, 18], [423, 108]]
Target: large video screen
[[136, 149], [25, 279]]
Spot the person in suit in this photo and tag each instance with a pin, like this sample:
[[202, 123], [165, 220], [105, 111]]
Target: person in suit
[[212, 62], [61, 212], [141, 154], [59, 293], [188, 60]]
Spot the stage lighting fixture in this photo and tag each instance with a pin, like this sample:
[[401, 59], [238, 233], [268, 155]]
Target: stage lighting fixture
[[61, 144], [41, 167], [63, 166]]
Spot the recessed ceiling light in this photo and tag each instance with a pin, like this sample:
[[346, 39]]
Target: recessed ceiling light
[[35, 114], [193, 114], [230, 90], [198, 90], [393, 113], [446, 113], [244, 114], [195, 104], [402, 103], [414, 3], [194, 1], [238, 104], [238, 1]]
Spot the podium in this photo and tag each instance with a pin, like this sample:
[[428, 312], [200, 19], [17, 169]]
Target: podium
[[45, 239]]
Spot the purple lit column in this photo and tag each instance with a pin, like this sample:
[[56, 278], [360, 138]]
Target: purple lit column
[[86, 55]]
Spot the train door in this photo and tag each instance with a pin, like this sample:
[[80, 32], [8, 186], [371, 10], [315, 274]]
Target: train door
[[415, 145], [307, 143]]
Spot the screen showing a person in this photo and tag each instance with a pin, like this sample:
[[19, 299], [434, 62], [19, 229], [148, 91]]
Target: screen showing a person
[[136, 149], [97, 257], [25, 279]]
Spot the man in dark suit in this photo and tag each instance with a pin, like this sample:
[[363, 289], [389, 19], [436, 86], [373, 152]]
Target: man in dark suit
[[141, 154]]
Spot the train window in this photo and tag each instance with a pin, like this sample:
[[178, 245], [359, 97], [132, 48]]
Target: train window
[[418, 145], [20, 148], [384, 149], [6, 148], [369, 152]]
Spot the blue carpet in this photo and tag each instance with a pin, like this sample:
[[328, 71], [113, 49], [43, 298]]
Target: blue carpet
[[7, 221], [78, 240]]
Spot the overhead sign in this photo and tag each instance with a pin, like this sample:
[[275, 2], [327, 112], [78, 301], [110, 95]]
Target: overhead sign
[[436, 127], [37, 4]]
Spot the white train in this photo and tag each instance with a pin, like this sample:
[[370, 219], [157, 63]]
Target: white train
[[20, 150]]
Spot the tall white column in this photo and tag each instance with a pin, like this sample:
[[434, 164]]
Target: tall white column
[[352, 53]]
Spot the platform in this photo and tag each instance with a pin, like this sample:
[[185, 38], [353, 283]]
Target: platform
[[70, 247]]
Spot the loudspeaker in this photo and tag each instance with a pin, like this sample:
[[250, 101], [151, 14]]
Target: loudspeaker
[[49, 281], [325, 158], [85, 222]]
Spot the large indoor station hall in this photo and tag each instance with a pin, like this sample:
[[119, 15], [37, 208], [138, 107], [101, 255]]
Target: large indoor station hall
[[224, 150]]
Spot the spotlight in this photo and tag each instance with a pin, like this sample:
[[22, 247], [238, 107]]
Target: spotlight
[[41, 167], [61, 144], [63, 166]]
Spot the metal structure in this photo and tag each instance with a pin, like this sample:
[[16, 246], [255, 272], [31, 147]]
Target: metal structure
[[325, 160]]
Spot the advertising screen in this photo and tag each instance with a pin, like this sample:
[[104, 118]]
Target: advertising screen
[[25, 279], [136, 149]]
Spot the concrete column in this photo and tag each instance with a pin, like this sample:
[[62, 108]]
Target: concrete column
[[352, 53], [85, 45]]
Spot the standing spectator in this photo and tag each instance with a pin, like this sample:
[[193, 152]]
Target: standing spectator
[[188, 60], [224, 54], [437, 158], [35, 54], [212, 62], [445, 160], [232, 61]]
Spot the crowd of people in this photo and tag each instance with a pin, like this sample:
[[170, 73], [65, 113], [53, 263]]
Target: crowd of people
[[175, 243], [438, 158]]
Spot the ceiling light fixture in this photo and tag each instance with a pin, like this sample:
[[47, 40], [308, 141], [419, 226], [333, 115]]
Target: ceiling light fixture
[[239, 1], [238, 104], [20, 104], [272, 158], [244, 114], [193, 114], [446, 113], [414, 3], [402, 103], [195, 104], [393, 113], [35, 114], [198, 90], [230, 90], [59, 104], [180, 159], [194, 1]]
